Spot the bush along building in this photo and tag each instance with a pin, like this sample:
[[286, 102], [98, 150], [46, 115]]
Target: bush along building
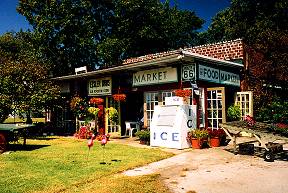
[[211, 72]]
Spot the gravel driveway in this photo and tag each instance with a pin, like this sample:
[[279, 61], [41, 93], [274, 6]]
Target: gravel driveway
[[216, 170]]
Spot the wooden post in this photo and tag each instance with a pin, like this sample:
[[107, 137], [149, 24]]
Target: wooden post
[[234, 144], [76, 124], [119, 119], [106, 115]]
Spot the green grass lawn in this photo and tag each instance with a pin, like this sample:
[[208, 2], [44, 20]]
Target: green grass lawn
[[61, 165]]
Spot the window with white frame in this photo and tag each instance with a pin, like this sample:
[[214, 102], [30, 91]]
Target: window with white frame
[[215, 107], [245, 101], [151, 99]]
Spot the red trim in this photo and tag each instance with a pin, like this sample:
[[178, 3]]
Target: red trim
[[198, 112]]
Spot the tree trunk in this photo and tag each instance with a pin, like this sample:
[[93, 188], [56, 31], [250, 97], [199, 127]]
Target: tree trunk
[[28, 116]]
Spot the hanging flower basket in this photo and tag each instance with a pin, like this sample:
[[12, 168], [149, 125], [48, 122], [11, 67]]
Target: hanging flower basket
[[119, 97], [96, 101], [183, 93]]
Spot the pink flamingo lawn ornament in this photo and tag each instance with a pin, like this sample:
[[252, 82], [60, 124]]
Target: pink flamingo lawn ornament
[[104, 140], [103, 143], [90, 144]]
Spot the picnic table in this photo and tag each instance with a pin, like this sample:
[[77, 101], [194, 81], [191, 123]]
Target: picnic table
[[10, 132]]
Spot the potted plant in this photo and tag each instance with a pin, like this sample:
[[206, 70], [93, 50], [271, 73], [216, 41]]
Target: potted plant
[[216, 137], [197, 137], [119, 97], [144, 136], [96, 101]]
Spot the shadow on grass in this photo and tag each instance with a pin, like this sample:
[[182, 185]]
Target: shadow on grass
[[260, 151], [41, 138], [27, 147]]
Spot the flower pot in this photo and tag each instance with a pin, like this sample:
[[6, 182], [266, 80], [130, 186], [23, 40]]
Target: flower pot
[[196, 143], [215, 142], [143, 142]]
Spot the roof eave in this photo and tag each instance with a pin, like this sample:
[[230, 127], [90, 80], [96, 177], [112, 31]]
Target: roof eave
[[210, 59], [155, 62]]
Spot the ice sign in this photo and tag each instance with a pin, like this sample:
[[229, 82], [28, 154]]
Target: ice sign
[[170, 125]]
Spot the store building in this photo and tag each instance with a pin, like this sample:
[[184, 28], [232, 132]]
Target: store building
[[213, 72]]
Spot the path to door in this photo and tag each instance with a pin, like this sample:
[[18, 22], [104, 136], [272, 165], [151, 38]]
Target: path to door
[[216, 170]]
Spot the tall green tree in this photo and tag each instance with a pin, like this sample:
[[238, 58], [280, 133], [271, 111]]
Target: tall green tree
[[149, 26], [23, 84], [263, 27], [83, 32], [68, 30]]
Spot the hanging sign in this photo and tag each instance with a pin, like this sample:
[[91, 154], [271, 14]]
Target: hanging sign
[[209, 74], [100, 86], [155, 76], [229, 78], [218, 76], [188, 72]]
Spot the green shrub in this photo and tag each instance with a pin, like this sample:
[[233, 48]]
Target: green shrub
[[276, 112], [234, 113], [143, 135]]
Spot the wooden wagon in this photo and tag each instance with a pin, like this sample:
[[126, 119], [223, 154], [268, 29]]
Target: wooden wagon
[[271, 148]]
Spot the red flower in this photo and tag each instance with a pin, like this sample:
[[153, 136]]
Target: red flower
[[216, 132], [96, 101], [250, 121], [183, 93], [119, 97], [282, 125]]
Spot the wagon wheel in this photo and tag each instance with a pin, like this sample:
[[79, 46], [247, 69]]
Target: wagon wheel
[[3, 144], [269, 156]]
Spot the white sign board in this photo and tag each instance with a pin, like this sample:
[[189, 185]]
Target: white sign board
[[100, 87], [170, 125], [155, 76], [174, 100], [188, 72], [218, 76]]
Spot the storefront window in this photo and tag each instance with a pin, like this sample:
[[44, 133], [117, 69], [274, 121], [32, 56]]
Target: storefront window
[[215, 107], [112, 127], [245, 101], [151, 99]]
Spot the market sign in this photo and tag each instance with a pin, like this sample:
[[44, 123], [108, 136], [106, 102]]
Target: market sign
[[100, 86], [155, 76], [218, 76], [188, 72]]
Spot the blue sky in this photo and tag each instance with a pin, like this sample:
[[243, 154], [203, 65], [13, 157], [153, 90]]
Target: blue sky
[[10, 20]]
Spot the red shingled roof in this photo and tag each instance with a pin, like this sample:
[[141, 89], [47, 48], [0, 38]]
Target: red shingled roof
[[227, 50]]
